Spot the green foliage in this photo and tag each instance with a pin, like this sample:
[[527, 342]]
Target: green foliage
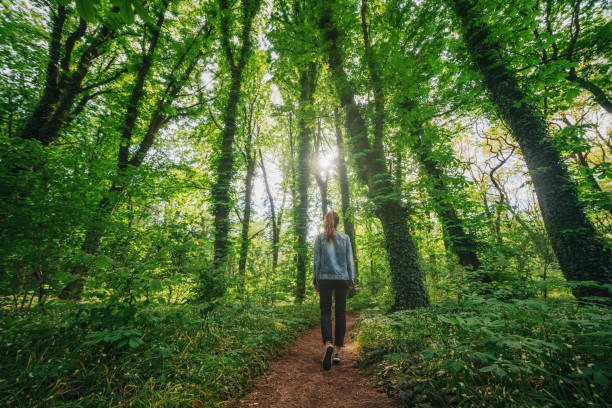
[[142, 356], [151, 327], [487, 352]]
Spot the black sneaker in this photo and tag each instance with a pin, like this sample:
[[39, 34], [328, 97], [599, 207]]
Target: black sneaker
[[328, 357], [336, 358]]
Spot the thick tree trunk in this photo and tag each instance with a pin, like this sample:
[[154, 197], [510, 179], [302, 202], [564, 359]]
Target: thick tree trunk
[[580, 251], [225, 164], [300, 208], [345, 192], [406, 280]]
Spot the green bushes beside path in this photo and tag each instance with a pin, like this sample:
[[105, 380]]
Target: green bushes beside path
[[489, 353], [154, 356]]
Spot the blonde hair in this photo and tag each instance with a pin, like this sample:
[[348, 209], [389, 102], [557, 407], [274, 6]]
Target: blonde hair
[[330, 223]]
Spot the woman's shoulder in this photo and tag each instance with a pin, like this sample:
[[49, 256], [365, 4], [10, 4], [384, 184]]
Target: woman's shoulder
[[341, 235]]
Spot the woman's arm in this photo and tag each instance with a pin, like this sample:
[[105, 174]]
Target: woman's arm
[[316, 261], [350, 263]]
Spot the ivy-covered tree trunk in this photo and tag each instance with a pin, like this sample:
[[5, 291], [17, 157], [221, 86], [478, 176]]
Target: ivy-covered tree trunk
[[406, 280], [345, 192], [302, 176], [460, 242], [126, 164], [64, 79], [251, 160], [225, 164], [580, 251], [107, 204]]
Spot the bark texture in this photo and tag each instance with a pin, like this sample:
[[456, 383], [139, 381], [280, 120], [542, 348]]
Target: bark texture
[[580, 251], [406, 279], [302, 179], [251, 160]]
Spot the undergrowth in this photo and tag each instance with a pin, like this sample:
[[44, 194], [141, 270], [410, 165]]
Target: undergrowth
[[151, 356], [485, 352]]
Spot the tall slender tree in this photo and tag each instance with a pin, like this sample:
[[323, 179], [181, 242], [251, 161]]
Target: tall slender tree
[[236, 58], [322, 181], [274, 219], [307, 80], [131, 155], [250, 159], [345, 192]]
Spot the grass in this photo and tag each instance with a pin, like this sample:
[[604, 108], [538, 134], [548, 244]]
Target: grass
[[147, 356]]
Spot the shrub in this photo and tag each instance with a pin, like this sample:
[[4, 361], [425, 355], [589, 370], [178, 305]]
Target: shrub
[[487, 352]]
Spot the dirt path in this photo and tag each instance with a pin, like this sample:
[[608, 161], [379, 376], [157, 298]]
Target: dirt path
[[297, 379]]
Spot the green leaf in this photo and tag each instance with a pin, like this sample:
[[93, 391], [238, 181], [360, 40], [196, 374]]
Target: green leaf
[[500, 372], [600, 378], [127, 14], [142, 12], [86, 9], [428, 354], [134, 342]]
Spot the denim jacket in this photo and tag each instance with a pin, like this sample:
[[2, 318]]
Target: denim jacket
[[333, 259]]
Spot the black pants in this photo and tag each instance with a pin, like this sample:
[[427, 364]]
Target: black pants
[[340, 289]]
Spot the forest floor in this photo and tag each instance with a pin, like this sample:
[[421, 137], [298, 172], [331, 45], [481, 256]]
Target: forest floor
[[297, 379]]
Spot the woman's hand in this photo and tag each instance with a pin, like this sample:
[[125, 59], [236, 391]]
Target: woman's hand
[[316, 288]]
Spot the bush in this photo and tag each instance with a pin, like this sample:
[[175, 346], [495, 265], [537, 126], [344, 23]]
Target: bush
[[161, 356], [491, 353]]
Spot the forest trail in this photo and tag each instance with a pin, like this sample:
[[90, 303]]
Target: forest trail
[[297, 379]]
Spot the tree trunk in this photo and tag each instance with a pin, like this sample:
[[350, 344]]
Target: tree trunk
[[51, 93], [125, 167], [460, 242], [302, 180], [606, 204], [580, 251], [321, 182], [225, 164], [598, 94], [62, 85], [273, 220], [406, 280], [251, 160], [345, 193]]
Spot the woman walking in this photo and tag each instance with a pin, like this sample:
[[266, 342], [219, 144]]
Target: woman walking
[[333, 272]]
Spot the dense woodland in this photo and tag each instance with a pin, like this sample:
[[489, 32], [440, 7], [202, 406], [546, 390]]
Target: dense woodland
[[166, 164]]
